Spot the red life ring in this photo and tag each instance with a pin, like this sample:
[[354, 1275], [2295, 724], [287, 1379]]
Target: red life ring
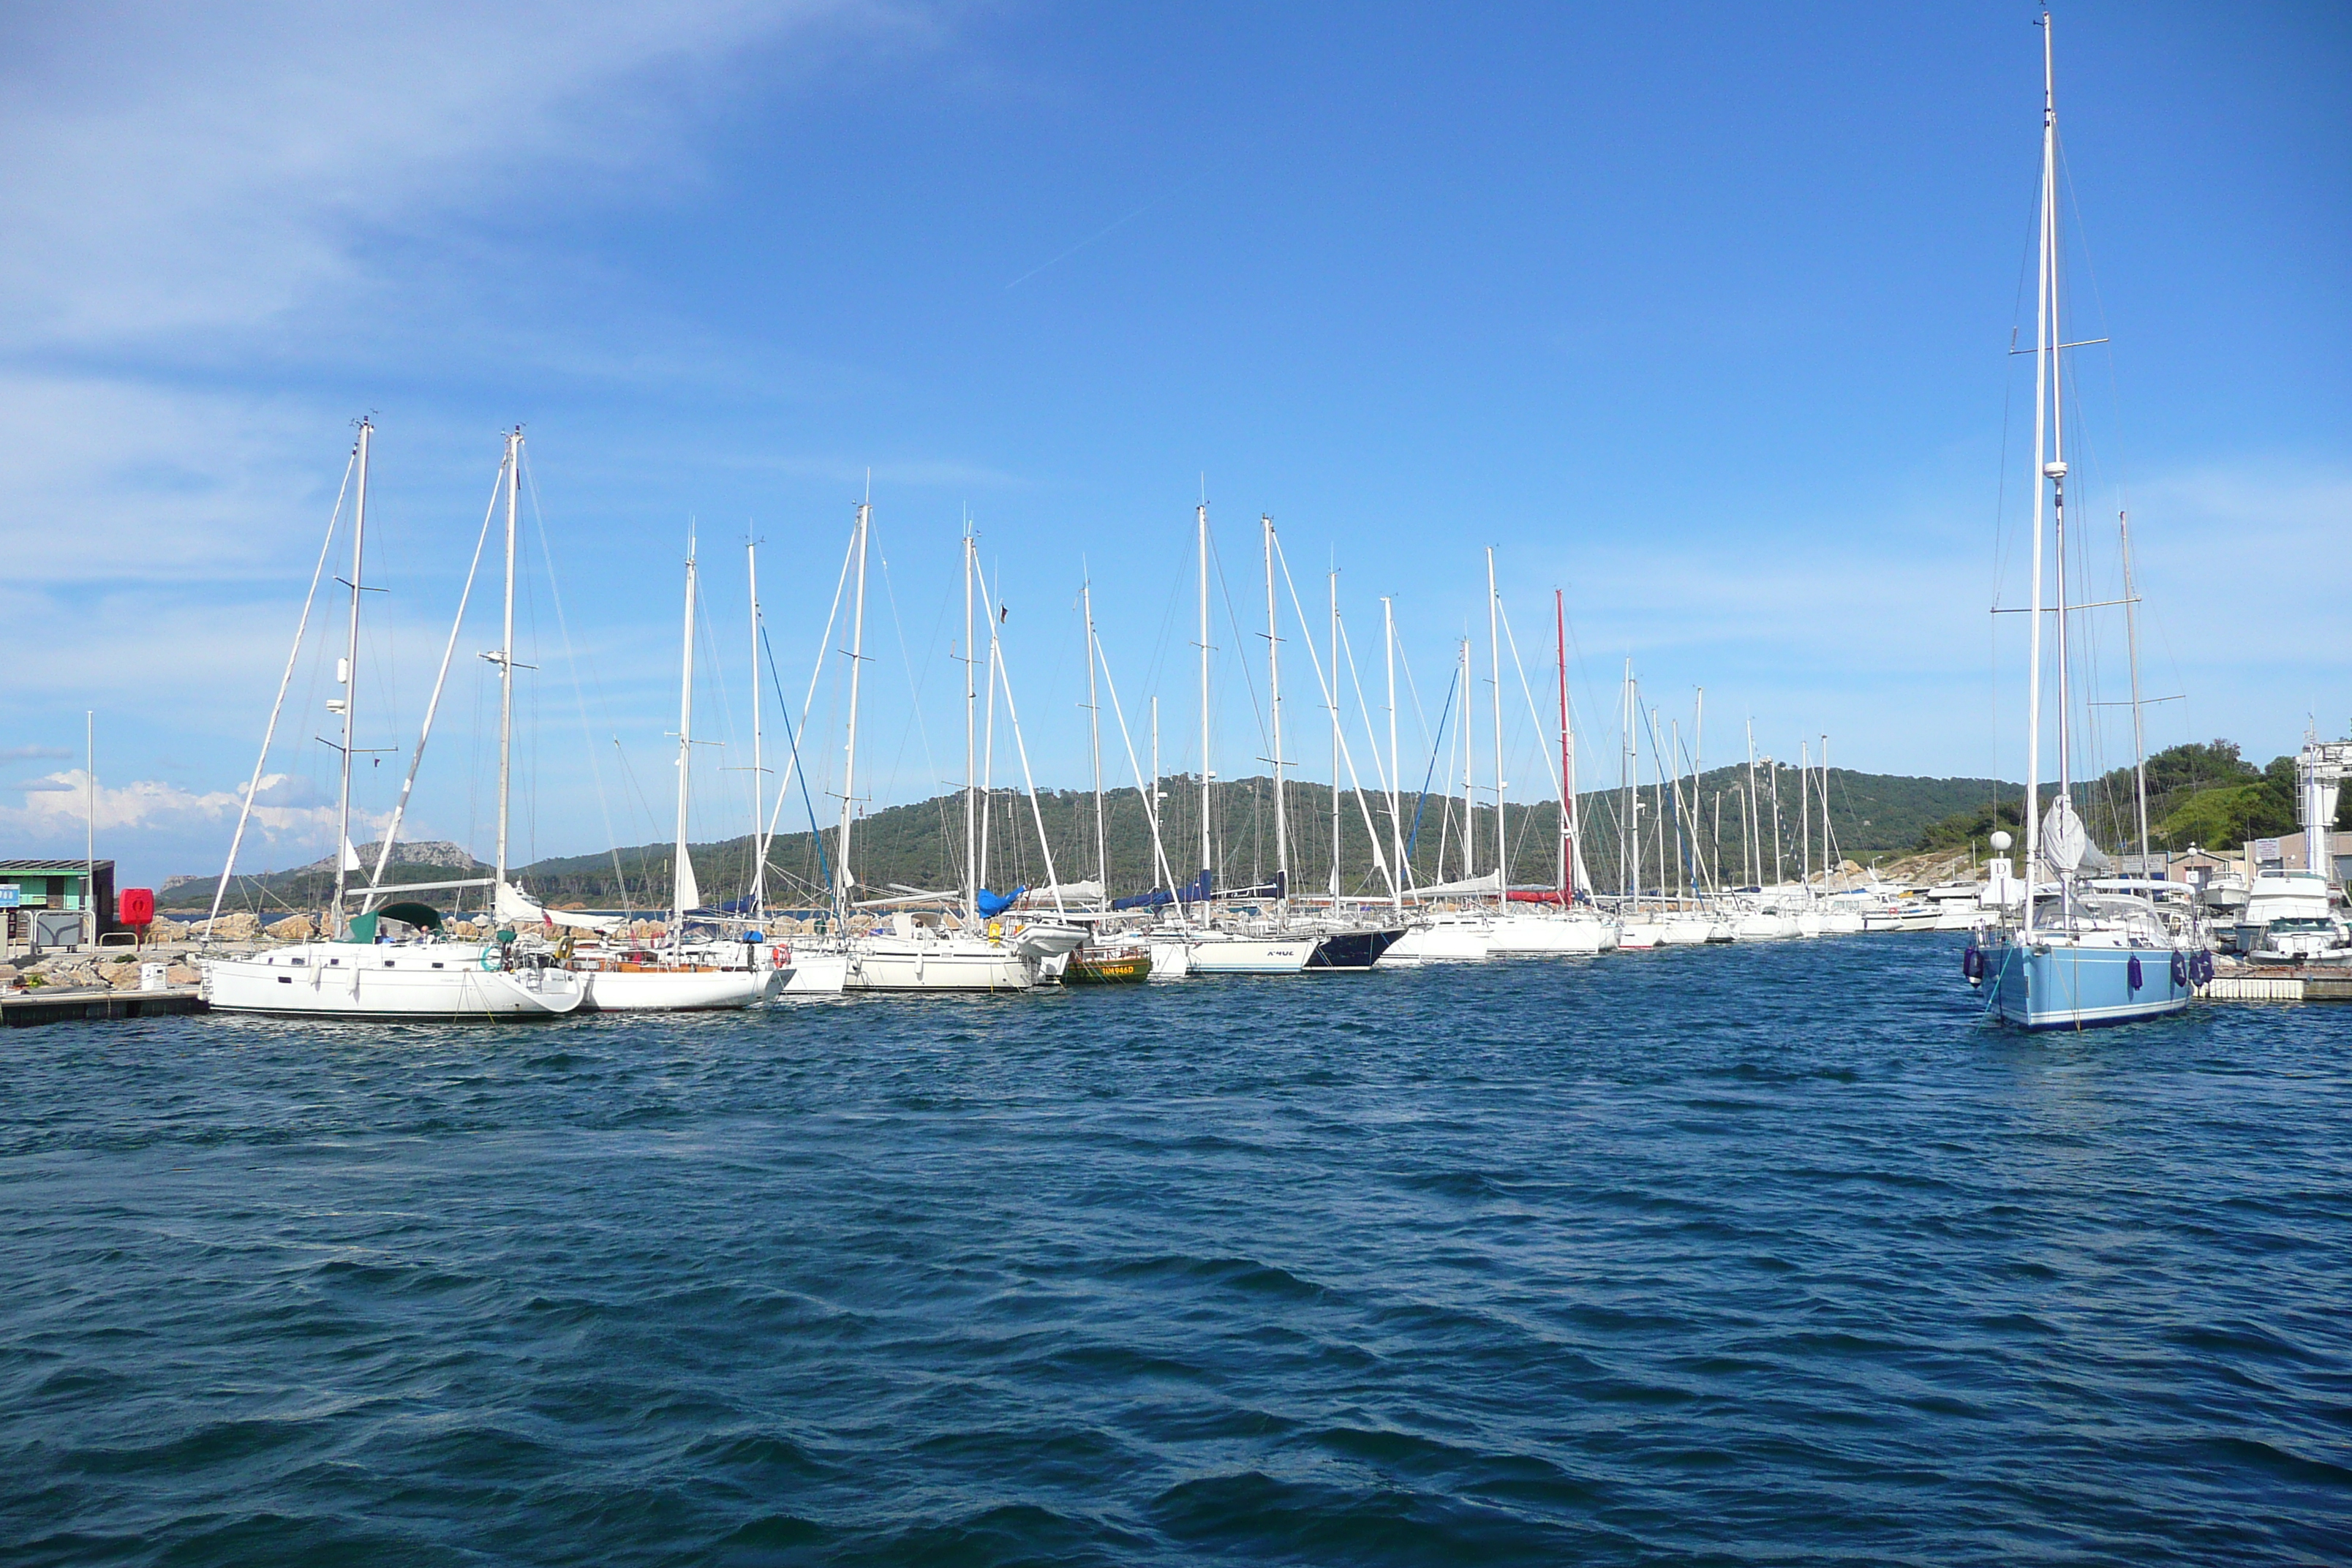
[[781, 957]]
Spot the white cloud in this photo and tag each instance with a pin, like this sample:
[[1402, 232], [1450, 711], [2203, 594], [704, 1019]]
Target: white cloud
[[178, 168]]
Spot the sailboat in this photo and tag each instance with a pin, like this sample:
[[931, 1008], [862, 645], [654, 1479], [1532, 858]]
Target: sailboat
[[1551, 923], [2075, 958], [984, 946], [360, 973], [1260, 948], [1462, 928], [1118, 959], [680, 977]]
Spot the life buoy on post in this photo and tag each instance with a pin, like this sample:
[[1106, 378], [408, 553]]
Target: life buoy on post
[[781, 957]]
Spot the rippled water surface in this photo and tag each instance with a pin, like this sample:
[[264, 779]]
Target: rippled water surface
[[1764, 1253]]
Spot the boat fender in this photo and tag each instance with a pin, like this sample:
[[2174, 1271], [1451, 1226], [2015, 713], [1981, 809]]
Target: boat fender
[[2132, 972], [2179, 969], [2201, 967], [997, 932], [1972, 963]]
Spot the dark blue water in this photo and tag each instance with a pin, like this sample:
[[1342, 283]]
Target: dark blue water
[[1755, 1254]]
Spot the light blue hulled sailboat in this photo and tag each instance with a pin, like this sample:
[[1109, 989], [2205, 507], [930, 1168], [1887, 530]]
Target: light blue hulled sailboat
[[2074, 957]]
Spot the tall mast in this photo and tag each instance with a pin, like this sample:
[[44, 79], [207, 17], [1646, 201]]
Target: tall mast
[[843, 880], [1684, 833], [1698, 771], [1206, 863], [350, 685], [1629, 848], [1274, 710], [1469, 790], [1495, 667], [2043, 359], [759, 791], [1747, 829], [1826, 867], [1155, 769], [682, 888], [1805, 808], [1335, 741], [970, 764], [1567, 759], [1779, 861], [1094, 737], [1396, 826], [2139, 735], [506, 660]]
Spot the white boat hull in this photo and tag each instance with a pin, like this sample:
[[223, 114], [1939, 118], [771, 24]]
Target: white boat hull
[[1215, 952], [360, 980], [1441, 941], [816, 974], [1525, 936], [891, 964], [653, 990], [1171, 957]]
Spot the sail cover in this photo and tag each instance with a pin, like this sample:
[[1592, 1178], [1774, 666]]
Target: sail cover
[[2066, 843], [514, 904], [689, 896], [1468, 888]]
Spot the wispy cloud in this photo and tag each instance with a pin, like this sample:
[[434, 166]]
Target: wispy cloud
[[32, 753]]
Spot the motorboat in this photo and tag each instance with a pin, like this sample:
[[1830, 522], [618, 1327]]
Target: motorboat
[[2288, 919]]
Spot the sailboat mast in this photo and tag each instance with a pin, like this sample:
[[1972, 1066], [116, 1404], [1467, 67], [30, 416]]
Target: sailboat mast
[[1805, 808], [506, 662], [2139, 733], [1628, 847], [1093, 738], [1567, 758], [1469, 789], [971, 762], [1206, 863], [1274, 710], [680, 872], [1494, 667], [842, 882], [1747, 829], [351, 684], [758, 790], [1698, 771], [1335, 741], [1396, 824], [1826, 867], [2043, 361]]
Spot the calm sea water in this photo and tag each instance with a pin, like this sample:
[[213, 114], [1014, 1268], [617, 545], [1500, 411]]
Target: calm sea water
[[1756, 1255]]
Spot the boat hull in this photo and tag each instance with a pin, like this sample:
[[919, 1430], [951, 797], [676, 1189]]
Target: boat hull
[[2063, 985], [1538, 936], [1107, 969], [657, 990], [1442, 941], [1214, 954], [356, 980], [891, 966], [1350, 950]]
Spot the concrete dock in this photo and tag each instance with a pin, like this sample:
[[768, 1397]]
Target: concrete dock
[[73, 1004], [2249, 983]]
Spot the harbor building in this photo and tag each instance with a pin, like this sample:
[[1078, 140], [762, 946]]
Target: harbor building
[[57, 903]]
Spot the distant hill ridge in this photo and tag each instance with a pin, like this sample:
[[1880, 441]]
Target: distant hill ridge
[[920, 844]]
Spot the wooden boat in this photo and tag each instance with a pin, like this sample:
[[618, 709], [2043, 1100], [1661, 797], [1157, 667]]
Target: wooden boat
[[1089, 966]]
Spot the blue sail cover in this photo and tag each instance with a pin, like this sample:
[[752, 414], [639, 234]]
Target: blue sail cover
[[992, 904], [1196, 891]]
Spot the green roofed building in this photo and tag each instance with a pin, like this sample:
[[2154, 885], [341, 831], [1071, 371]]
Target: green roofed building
[[32, 886]]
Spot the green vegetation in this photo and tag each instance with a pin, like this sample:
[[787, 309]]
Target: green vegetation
[[921, 845]]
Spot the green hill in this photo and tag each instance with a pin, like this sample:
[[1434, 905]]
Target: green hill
[[922, 845]]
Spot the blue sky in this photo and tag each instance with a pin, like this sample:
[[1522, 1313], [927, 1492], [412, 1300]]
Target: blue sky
[[1698, 312]]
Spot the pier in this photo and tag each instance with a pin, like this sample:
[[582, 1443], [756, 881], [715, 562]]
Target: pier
[[62, 1005]]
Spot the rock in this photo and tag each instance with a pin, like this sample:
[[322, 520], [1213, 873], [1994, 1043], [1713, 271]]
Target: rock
[[182, 974], [293, 928], [239, 926], [168, 931], [121, 976]]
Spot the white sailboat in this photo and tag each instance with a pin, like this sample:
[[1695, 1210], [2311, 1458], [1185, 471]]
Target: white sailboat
[[680, 977], [929, 950], [362, 973], [2085, 957], [1254, 948]]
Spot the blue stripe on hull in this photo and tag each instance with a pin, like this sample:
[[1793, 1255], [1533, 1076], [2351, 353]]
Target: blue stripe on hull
[[2067, 987]]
